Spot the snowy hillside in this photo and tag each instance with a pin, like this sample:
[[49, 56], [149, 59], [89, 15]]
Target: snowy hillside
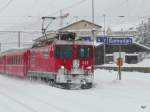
[[108, 95]]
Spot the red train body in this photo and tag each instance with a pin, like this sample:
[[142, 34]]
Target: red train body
[[15, 62], [62, 62]]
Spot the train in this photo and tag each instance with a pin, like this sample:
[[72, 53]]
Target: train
[[62, 61]]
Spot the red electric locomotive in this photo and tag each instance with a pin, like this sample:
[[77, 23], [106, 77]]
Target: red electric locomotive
[[62, 61]]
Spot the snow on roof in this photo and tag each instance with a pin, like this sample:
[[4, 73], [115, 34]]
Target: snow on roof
[[148, 48], [80, 22], [12, 51]]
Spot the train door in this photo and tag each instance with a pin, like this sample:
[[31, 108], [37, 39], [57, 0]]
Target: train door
[[26, 64]]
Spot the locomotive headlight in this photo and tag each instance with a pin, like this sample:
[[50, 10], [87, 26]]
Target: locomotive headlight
[[62, 67], [89, 67], [75, 63]]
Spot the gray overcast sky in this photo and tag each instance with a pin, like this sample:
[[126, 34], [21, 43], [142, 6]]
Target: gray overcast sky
[[12, 12]]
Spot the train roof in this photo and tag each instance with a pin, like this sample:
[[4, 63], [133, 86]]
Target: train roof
[[78, 42], [10, 51], [61, 38]]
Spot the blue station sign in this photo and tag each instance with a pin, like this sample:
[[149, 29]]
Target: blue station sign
[[114, 40], [86, 38]]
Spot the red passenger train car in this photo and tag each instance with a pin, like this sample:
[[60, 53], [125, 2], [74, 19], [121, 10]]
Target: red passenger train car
[[63, 61], [15, 62]]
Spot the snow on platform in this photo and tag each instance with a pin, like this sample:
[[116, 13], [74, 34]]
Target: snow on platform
[[131, 94], [144, 63]]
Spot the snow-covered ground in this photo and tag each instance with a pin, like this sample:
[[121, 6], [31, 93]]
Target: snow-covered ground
[[131, 94], [144, 63]]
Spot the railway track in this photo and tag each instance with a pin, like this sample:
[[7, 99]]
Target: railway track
[[130, 69], [21, 94]]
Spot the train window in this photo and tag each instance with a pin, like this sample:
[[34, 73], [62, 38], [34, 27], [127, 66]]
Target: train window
[[45, 53], [57, 51], [20, 60], [33, 54], [0, 61], [12, 60], [15, 60], [64, 52], [85, 52]]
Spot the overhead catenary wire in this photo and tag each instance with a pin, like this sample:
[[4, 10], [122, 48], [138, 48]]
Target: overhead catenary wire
[[68, 7], [63, 9]]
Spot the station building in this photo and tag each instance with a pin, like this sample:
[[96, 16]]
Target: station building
[[133, 53]]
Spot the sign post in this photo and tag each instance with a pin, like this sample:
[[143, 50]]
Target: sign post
[[116, 41], [119, 63]]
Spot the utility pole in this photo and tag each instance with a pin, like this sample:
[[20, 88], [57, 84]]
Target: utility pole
[[93, 36], [19, 40], [104, 15], [119, 67], [62, 17], [93, 16]]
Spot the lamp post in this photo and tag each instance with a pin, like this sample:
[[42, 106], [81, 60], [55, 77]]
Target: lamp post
[[93, 36], [104, 15]]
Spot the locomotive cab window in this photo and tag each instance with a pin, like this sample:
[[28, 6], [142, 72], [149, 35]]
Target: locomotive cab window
[[57, 52], [85, 52], [64, 52]]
